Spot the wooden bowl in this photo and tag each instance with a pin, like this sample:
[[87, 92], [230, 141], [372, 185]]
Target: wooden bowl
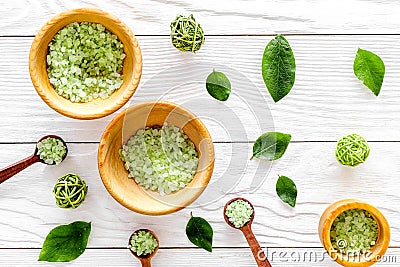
[[132, 65], [377, 251], [115, 177]]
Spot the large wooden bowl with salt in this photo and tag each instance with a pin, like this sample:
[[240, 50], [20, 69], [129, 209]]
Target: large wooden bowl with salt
[[115, 177]]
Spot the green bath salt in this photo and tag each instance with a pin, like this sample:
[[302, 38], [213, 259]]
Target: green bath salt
[[84, 62], [143, 243], [354, 231], [51, 150], [239, 212], [160, 159]]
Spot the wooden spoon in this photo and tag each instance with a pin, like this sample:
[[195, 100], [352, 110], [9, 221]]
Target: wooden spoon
[[144, 259], [258, 253], [15, 168]]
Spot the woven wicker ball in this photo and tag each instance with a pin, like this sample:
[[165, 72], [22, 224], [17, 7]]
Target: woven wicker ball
[[186, 34], [70, 191], [352, 150]]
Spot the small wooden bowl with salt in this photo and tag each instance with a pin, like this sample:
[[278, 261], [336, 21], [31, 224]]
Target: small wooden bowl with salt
[[98, 107], [369, 258]]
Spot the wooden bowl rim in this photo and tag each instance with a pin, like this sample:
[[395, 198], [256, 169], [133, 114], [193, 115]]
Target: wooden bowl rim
[[207, 172], [101, 112], [334, 210]]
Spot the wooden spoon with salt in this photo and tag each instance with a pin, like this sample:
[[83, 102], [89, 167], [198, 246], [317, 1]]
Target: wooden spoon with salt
[[255, 247], [145, 260], [15, 168]]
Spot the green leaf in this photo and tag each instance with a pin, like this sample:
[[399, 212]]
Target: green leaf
[[278, 67], [200, 233], [369, 68], [65, 242], [286, 190], [218, 85], [271, 145]]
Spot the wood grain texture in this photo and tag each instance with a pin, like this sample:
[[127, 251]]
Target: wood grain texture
[[25, 17], [280, 257], [259, 256], [28, 209], [326, 102], [11, 170]]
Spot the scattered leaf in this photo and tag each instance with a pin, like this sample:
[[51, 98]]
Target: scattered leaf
[[65, 242], [218, 85], [278, 67], [370, 69], [200, 233], [271, 145], [286, 190]]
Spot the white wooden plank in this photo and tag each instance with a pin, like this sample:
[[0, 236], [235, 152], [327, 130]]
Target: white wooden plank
[[279, 257], [28, 210], [218, 17], [326, 102]]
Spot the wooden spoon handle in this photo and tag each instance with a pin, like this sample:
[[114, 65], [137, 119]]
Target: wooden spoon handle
[[258, 253], [145, 262], [15, 168]]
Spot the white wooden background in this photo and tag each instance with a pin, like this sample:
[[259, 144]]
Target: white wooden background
[[326, 102]]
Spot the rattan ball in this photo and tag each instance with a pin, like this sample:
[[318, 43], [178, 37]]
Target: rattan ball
[[70, 191], [186, 34], [352, 150]]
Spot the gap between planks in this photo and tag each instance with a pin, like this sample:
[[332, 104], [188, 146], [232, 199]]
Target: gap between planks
[[245, 35], [191, 248], [216, 142]]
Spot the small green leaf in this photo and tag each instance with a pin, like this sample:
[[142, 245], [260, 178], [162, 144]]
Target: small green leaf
[[278, 67], [200, 233], [286, 190], [218, 85], [369, 68], [271, 145], [65, 242]]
